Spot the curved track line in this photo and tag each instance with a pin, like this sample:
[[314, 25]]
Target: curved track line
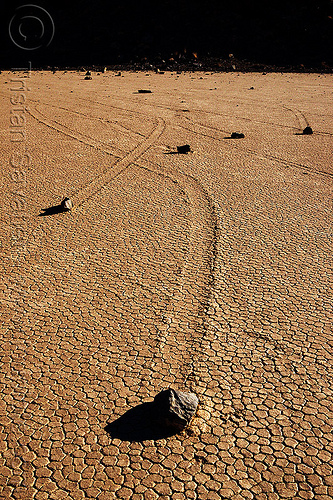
[[301, 116], [190, 329], [185, 321]]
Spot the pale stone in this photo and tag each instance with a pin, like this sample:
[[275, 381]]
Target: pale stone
[[66, 204]]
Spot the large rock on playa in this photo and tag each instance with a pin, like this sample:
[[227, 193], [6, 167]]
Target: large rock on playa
[[175, 409]]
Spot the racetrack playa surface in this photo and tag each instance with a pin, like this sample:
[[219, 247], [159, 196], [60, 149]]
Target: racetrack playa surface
[[208, 272]]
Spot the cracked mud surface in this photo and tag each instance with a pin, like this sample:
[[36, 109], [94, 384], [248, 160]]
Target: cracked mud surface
[[209, 272]]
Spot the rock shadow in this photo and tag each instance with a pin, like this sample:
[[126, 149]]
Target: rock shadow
[[234, 136], [139, 424], [175, 153], [307, 131], [56, 209]]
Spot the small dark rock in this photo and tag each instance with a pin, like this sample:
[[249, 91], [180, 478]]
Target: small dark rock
[[66, 204], [237, 135], [251, 88], [143, 91], [184, 149], [175, 409], [88, 77], [307, 131]]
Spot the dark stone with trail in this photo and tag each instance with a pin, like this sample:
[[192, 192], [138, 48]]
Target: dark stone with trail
[[143, 91], [307, 131], [237, 135], [184, 149], [175, 409]]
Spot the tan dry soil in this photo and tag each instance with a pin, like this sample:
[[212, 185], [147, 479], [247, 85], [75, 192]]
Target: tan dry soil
[[210, 272]]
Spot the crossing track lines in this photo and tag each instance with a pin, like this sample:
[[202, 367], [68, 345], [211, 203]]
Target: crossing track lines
[[84, 193], [193, 293], [201, 130], [204, 131], [93, 187]]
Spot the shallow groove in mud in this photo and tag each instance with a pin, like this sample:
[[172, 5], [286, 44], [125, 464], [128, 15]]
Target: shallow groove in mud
[[226, 114], [83, 138], [105, 121], [186, 318]]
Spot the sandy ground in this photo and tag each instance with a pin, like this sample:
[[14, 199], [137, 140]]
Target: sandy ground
[[209, 272]]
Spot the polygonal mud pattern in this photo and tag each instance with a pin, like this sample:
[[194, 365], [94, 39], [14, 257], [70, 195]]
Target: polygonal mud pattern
[[207, 272]]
